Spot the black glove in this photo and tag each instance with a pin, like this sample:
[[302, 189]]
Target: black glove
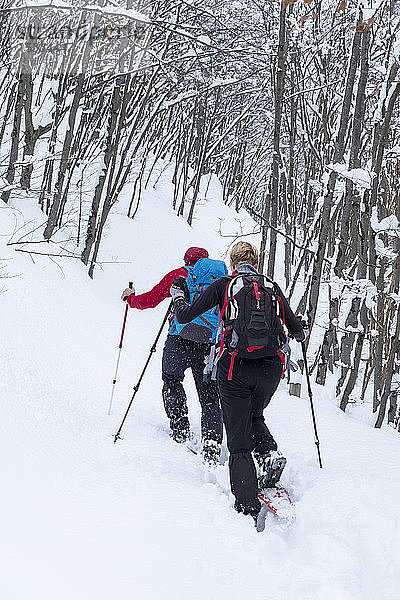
[[179, 289], [304, 325], [303, 322]]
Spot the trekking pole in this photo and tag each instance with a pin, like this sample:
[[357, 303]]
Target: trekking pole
[[303, 347], [119, 353], [136, 387]]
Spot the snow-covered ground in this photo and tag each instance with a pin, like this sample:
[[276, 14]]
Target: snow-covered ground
[[83, 518]]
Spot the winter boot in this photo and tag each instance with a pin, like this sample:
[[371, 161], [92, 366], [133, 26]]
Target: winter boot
[[251, 511], [180, 430], [211, 452], [270, 467]]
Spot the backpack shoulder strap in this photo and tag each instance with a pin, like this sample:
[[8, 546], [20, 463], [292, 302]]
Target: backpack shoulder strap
[[269, 282], [228, 295], [280, 308], [235, 284]]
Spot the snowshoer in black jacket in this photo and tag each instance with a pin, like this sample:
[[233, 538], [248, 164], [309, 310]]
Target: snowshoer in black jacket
[[247, 376]]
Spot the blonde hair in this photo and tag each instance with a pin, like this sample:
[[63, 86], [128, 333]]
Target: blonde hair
[[244, 253]]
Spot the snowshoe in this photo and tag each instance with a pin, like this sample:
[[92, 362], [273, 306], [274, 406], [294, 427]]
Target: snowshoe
[[278, 502]]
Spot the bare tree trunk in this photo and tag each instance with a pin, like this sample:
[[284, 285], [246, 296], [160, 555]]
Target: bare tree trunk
[[276, 158], [55, 214], [387, 384], [16, 130], [10, 103], [327, 359], [350, 213], [31, 135], [110, 148], [328, 200]]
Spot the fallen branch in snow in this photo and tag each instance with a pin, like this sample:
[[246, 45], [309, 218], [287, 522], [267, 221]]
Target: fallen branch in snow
[[48, 254], [28, 242], [21, 239], [52, 255]]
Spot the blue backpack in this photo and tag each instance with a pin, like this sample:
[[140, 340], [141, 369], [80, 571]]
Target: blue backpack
[[203, 329]]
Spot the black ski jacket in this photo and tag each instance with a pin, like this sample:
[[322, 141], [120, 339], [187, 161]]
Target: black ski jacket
[[214, 295]]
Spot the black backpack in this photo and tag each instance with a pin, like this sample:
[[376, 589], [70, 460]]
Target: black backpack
[[253, 318]]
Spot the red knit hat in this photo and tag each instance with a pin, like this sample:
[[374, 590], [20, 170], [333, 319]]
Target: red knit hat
[[193, 254]]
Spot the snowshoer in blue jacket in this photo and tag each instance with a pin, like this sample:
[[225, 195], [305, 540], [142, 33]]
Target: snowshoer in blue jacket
[[186, 349]]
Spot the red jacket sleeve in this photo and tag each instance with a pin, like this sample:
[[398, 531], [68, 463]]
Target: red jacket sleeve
[[158, 293]]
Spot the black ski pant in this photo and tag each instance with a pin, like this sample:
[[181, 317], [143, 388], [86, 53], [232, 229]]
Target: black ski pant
[[180, 354], [243, 399]]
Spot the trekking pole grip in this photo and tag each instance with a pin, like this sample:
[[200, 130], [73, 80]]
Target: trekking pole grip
[[130, 286]]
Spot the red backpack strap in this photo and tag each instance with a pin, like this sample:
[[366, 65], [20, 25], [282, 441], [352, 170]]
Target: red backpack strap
[[282, 309], [233, 356], [280, 354], [256, 290]]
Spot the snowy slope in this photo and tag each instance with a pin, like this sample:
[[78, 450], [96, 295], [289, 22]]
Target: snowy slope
[[83, 518]]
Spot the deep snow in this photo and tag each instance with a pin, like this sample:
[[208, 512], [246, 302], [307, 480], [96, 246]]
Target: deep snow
[[85, 519]]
